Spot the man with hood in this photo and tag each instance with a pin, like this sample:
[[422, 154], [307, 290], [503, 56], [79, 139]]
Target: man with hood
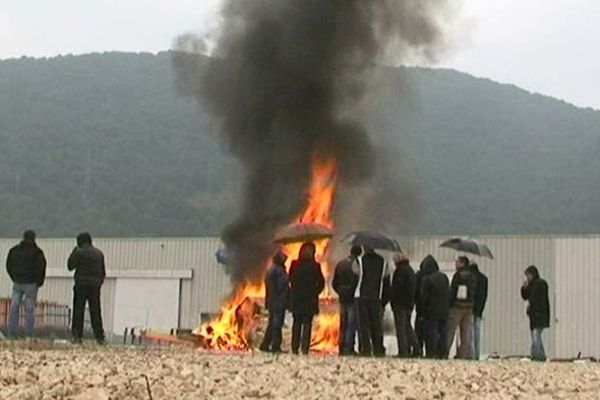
[[420, 317], [88, 263], [371, 296], [481, 294], [402, 299], [435, 295], [462, 301], [26, 266], [277, 296], [344, 283], [535, 291]]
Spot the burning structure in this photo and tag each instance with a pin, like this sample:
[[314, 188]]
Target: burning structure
[[284, 82]]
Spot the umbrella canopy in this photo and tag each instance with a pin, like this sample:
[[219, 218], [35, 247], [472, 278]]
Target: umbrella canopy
[[468, 246], [302, 232], [373, 240]]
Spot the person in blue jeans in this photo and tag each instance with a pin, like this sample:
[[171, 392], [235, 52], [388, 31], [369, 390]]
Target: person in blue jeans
[[26, 266], [277, 294], [344, 283], [535, 291]]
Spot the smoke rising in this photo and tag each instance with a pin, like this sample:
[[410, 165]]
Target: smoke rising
[[283, 80]]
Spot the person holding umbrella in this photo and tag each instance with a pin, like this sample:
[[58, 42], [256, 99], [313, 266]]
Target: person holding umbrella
[[462, 300], [306, 283], [277, 293], [535, 291], [371, 296]]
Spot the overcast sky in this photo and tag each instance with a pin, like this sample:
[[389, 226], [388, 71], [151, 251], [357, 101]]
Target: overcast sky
[[546, 46]]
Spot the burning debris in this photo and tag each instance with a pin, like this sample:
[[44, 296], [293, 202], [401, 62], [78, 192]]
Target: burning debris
[[284, 81]]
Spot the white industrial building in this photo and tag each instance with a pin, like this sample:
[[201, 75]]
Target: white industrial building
[[169, 283]]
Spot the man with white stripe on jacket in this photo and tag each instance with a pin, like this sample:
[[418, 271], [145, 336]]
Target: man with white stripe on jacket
[[371, 296]]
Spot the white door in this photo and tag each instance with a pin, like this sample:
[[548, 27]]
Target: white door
[[146, 302]]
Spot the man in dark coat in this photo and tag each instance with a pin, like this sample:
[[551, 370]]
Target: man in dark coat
[[371, 295], [277, 293], [435, 294], [306, 282], [420, 317], [462, 301], [535, 291], [402, 299], [26, 266], [481, 294], [344, 283], [90, 271]]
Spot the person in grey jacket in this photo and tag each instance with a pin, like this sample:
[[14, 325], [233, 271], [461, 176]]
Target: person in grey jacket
[[90, 271]]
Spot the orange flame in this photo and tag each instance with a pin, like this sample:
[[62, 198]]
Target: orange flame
[[232, 329]]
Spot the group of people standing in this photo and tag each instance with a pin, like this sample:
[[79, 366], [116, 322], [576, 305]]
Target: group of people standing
[[366, 285], [442, 307], [26, 266]]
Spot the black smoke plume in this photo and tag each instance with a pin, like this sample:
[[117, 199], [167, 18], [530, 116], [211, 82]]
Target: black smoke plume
[[282, 82]]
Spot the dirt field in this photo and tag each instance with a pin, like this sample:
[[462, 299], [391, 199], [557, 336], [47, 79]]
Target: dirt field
[[117, 373]]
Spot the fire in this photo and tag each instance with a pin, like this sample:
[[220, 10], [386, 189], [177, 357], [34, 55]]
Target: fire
[[233, 328]]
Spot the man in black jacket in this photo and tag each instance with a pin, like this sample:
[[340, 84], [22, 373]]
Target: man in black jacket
[[481, 294], [26, 266], [462, 300], [277, 297], [344, 283], [435, 295], [371, 295], [402, 299], [535, 291], [88, 264]]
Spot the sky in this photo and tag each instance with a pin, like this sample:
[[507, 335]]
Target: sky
[[544, 46]]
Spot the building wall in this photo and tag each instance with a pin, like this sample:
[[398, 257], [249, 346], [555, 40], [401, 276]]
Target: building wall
[[569, 264], [200, 293]]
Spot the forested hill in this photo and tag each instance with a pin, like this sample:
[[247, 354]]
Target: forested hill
[[103, 142]]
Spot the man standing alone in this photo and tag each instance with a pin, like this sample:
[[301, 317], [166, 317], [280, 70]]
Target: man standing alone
[[535, 291], [462, 300], [344, 283], [26, 266], [88, 264]]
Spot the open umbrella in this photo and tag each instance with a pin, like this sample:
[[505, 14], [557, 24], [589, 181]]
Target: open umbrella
[[302, 232], [373, 240], [468, 246]]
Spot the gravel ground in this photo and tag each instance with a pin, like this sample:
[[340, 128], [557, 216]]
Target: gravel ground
[[92, 373]]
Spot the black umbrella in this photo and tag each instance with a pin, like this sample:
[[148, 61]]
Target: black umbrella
[[468, 246], [373, 240], [302, 232]]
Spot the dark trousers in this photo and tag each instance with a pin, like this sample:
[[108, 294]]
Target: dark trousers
[[301, 331], [436, 338], [405, 334], [370, 327], [273, 336], [91, 295], [347, 328], [421, 335]]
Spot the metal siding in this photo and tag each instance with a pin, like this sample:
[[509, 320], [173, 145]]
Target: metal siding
[[579, 299]]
